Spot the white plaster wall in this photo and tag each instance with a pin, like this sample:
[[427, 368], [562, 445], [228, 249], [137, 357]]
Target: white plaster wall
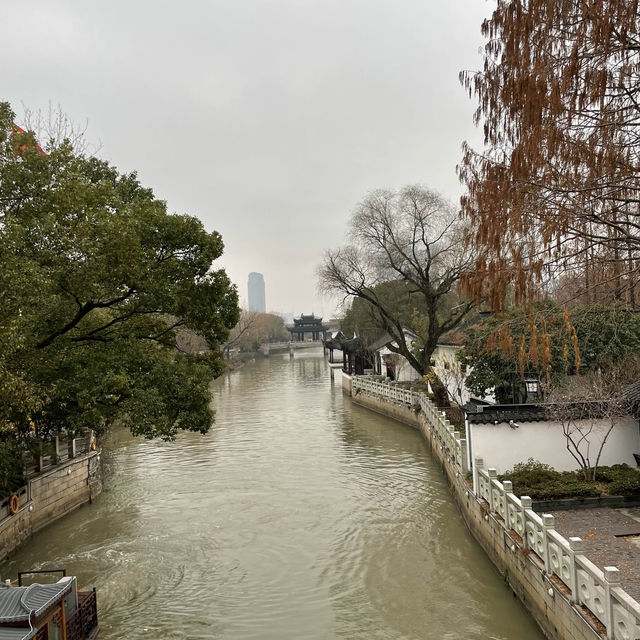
[[447, 368], [452, 377], [501, 447], [404, 371]]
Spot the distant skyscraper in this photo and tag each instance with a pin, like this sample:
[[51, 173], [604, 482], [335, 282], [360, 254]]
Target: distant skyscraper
[[256, 292]]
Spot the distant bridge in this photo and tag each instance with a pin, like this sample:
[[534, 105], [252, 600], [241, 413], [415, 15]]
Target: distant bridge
[[275, 347]]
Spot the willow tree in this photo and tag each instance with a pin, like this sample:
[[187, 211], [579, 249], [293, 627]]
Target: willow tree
[[412, 237], [555, 191]]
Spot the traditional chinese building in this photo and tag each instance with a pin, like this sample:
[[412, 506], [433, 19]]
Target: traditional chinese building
[[48, 611], [308, 329]]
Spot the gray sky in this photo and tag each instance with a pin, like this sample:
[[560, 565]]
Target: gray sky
[[267, 119]]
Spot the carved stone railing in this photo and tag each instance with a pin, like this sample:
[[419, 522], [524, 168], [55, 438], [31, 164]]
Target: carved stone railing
[[596, 589], [449, 439]]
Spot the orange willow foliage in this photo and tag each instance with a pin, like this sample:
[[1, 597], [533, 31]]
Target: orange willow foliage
[[555, 192], [535, 351]]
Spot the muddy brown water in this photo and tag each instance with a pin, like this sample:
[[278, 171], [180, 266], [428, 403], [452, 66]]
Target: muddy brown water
[[298, 516]]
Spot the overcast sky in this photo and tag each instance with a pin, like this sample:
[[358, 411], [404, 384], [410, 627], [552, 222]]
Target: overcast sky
[[267, 119]]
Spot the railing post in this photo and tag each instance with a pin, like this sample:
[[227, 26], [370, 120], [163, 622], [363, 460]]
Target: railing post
[[493, 475], [457, 448], [548, 524], [463, 453], [508, 488], [478, 463], [525, 503], [56, 442], [611, 579], [576, 547], [73, 447]]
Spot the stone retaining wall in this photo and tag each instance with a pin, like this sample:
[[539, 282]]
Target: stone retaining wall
[[548, 600], [549, 604], [398, 412], [50, 496]]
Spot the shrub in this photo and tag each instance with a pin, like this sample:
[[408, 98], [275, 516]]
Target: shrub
[[621, 480], [629, 486], [541, 482]]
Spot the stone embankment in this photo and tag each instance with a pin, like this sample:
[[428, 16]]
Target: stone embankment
[[568, 595], [49, 495]]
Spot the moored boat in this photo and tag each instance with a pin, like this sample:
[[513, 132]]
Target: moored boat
[[51, 611]]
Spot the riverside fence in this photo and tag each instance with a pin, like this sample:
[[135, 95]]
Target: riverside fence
[[574, 575]]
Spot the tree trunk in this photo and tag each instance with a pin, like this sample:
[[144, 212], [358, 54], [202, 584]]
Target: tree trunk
[[440, 393]]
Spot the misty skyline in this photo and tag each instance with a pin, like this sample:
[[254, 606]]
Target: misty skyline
[[268, 120]]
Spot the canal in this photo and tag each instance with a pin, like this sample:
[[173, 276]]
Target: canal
[[299, 515]]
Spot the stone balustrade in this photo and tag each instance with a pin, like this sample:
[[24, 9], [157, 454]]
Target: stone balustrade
[[596, 589], [450, 439]]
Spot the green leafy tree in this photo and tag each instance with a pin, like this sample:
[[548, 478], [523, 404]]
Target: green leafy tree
[[547, 343], [97, 280]]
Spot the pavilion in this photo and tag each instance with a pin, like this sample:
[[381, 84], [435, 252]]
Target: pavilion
[[308, 329]]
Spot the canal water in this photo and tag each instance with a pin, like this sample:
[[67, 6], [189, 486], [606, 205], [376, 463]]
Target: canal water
[[298, 516]]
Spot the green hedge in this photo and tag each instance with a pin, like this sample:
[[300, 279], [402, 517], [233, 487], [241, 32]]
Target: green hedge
[[542, 482]]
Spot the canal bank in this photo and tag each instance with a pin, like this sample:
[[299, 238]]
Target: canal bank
[[49, 495], [568, 596]]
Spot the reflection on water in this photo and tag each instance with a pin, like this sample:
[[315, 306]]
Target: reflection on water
[[299, 515]]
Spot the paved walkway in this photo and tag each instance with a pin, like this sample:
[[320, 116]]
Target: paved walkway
[[612, 538]]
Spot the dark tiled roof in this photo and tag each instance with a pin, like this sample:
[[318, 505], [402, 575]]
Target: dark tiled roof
[[388, 338], [335, 342], [18, 602], [354, 345], [381, 342], [304, 321], [496, 413], [17, 633], [632, 393]]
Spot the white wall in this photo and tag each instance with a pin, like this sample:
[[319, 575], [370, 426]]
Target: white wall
[[448, 369], [501, 447], [404, 371]]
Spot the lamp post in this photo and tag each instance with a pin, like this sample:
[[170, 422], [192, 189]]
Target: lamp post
[[533, 387]]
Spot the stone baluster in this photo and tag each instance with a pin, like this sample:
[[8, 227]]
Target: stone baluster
[[456, 452], [611, 579], [464, 454], [548, 524], [525, 503], [576, 548], [477, 465], [493, 475], [508, 489]]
